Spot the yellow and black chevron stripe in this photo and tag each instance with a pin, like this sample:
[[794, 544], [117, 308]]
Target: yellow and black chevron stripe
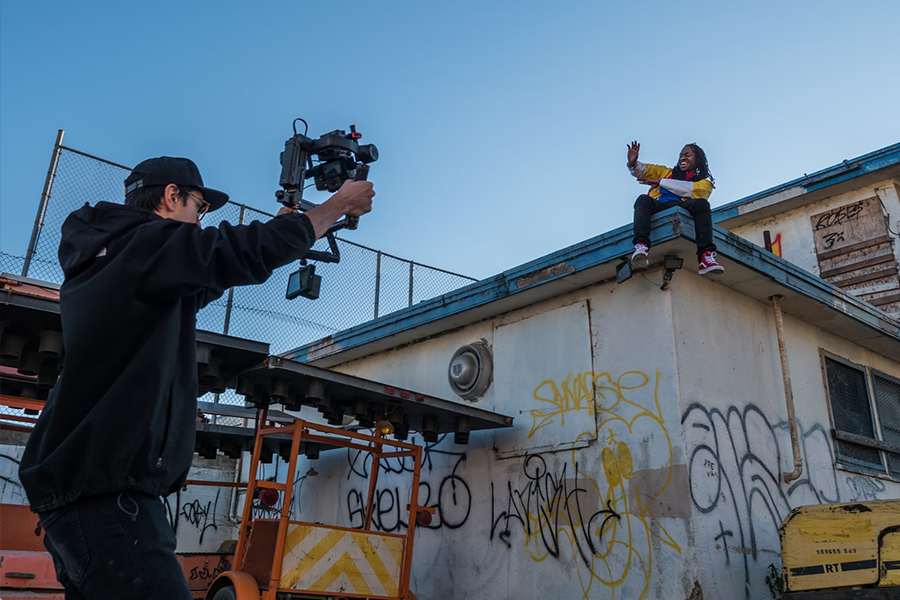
[[335, 561]]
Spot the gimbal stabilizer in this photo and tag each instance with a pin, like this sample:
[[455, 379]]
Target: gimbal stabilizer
[[340, 157]]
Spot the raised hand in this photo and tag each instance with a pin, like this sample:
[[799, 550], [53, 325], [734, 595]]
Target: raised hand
[[634, 149]]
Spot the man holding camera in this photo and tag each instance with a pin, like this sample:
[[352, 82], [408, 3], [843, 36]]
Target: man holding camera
[[117, 432]]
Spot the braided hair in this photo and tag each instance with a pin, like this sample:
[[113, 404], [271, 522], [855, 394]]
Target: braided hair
[[702, 170]]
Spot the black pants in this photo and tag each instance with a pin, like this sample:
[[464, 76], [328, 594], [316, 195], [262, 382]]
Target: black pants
[[645, 207], [115, 546]]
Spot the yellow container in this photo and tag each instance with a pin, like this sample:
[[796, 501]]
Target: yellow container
[[841, 545]]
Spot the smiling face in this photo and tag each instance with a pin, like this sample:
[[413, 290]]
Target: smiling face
[[687, 160]]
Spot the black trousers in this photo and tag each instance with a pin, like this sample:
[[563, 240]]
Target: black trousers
[[113, 547], [645, 207]]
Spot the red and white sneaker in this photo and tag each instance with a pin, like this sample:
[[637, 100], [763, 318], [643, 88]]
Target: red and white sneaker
[[639, 258], [709, 266]]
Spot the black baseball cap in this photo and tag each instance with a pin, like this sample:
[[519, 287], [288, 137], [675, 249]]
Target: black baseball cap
[[180, 171]]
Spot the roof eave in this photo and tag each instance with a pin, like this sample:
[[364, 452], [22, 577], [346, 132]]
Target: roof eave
[[846, 176], [749, 270]]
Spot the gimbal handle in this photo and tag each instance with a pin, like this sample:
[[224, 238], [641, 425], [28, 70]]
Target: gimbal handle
[[362, 172]]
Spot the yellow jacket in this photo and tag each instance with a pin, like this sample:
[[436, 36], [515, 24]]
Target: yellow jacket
[[682, 189]]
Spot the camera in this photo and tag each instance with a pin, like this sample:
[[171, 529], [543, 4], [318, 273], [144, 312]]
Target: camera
[[339, 157]]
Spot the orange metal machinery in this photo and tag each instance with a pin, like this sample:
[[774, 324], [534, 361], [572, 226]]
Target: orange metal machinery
[[283, 558]]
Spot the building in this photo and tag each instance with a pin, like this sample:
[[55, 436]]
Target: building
[[651, 430]]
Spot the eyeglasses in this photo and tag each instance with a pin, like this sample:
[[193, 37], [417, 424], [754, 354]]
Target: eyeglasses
[[204, 206]]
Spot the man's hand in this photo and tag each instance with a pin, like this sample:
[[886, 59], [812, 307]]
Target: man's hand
[[356, 197], [287, 210], [353, 199], [633, 150]]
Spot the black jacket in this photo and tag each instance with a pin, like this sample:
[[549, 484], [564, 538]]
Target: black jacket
[[123, 414]]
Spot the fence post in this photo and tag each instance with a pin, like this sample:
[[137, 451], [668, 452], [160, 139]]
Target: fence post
[[230, 301], [228, 305], [377, 283], [42, 207], [411, 265]]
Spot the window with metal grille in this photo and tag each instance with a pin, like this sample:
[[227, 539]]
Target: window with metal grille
[[865, 416], [887, 401], [851, 412]]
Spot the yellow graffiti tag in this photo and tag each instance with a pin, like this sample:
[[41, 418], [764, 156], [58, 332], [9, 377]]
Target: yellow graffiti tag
[[622, 542], [573, 394]]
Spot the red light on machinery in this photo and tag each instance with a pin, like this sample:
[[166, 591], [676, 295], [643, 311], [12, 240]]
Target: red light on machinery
[[269, 497], [423, 518]]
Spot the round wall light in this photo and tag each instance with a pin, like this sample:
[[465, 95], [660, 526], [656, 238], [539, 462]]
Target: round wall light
[[471, 370]]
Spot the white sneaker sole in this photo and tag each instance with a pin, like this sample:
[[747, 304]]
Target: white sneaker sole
[[640, 261], [718, 270]]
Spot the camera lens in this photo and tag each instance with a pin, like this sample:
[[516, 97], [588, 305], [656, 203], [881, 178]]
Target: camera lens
[[368, 153]]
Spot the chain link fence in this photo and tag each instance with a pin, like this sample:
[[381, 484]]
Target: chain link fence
[[365, 284]]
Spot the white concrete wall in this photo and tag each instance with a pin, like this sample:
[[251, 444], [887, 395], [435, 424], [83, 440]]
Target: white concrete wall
[[610, 519], [680, 484], [736, 434], [795, 227]]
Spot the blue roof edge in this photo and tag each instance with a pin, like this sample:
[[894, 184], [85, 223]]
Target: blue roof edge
[[843, 171], [616, 244]]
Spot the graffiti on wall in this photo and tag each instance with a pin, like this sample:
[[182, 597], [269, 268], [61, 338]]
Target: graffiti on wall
[[451, 496], [736, 458], [192, 515], [602, 520], [776, 245], [864, 488]]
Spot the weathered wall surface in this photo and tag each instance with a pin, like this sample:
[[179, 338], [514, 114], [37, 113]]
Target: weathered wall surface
[[793, 229], [200, 515], [737, 438], [587, 498], [673, 480]]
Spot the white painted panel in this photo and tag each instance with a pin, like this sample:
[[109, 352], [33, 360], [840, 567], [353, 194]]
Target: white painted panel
[[545, 358]]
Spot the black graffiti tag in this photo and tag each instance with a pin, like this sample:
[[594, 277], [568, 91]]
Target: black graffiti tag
[[452, 504], [545, 506], [451, 498], [839, 216], [199, 516], [829, 239], [205, 574], [734, 472]]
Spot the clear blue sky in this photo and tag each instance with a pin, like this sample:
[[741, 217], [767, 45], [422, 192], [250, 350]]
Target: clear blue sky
[[501, 125]]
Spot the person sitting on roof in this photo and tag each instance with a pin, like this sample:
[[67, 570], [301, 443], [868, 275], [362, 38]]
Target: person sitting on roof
[[689, 185]]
